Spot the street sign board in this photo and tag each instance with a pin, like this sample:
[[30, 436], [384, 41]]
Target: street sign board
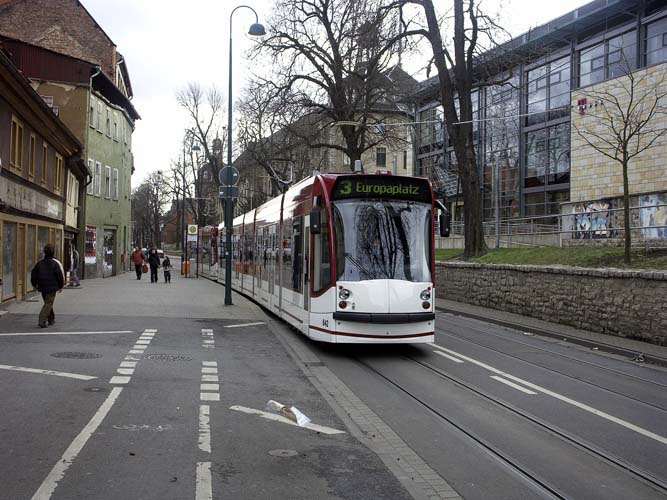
[[192, 232], [222, 176], [223, 191]]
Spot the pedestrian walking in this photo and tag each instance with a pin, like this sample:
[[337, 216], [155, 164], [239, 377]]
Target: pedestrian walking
[[138, 260], [154, 263], [48, 278], [166, 266], [74, 269]]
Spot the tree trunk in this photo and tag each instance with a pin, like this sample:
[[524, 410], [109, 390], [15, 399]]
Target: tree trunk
[[626, 212]]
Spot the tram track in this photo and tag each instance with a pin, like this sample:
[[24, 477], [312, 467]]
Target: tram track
[[559, 372], [533, 478]]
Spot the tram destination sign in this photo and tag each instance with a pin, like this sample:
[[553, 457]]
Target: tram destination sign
[[381, 186]]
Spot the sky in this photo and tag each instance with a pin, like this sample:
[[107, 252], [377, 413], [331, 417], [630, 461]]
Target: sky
[[169, 43]]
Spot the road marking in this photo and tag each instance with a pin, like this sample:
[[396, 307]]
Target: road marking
[[456, 360], [46, 372], [565, 399], [150, 330], [132, 358], [209, 363], [512, 384], [120, 380], [209, 387], [210, 378], [209, 370], [49, 485], [125, 371], [284, 420], [139, 347], [245, 324], [142, 342], [205, 428], [62, 333], [135, 351], [128, 364], [209, 396], [203, 489]]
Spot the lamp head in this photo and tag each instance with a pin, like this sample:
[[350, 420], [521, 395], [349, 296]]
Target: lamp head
[[257, 29]]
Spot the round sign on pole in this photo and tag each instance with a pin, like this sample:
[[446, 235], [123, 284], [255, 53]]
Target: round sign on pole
[[192, 228], [222, 176]]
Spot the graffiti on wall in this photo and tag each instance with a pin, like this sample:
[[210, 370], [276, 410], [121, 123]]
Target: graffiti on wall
[[593, 221], [654, 216]]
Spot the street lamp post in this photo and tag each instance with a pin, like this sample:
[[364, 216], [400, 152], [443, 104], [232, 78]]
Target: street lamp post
[[255, 30]]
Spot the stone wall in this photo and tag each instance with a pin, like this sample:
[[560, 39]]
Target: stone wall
[[630, 304]]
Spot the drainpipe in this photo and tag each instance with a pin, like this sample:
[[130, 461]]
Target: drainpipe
[[83, 191]]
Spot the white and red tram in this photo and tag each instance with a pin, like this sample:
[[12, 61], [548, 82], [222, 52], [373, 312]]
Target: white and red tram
[[346, 258]]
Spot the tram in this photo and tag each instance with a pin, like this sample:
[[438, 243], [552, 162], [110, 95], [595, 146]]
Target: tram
[[344, 258]]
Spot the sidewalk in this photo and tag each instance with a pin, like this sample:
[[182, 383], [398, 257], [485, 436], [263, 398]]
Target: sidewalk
[[609, 343]]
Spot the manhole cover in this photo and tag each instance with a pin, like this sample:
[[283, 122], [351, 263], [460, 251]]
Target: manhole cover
[[76, 355], [167, 357], [96, 389], [283, 453]]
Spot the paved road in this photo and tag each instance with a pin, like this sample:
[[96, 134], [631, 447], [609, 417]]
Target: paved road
[[130, 394]]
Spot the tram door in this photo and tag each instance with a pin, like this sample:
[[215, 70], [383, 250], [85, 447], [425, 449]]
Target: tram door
[[306, 268]]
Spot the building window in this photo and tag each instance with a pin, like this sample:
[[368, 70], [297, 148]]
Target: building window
[[98, 178], [99, 115], [31, 157], [548, 156], [115, 183], [16, 145], [107, 181], [91, 185], [108, 123], [115, 127], [58, 182], [45, 163], [91, 118], [656, 42], [381, 157], [610, 59], [548, 92], [405, 160]]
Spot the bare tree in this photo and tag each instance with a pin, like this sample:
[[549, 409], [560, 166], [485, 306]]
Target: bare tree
[[334, 62], [148, 203], [472, 35], [627, 118]]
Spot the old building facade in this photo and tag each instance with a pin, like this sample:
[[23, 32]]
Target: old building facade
[[75, 66]]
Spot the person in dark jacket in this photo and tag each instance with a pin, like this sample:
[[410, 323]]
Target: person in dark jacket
[[48, 278], [154, 263]]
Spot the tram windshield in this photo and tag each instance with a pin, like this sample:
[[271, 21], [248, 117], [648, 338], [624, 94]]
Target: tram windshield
[[381, 239]]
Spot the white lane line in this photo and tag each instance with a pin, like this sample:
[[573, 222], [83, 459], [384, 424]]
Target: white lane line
[[245, 324], [205, 428], [209, 387], [139, 347], [210, 378], [132, 358], [150, 330], [62, 333], [280, 418], [456, 360], [512, 384], [209, 396], [142, 342], [565, 399], [135, 351], [49, 485], [128, 364], [46, 372], [203, 488], [125, 371], [209, 363], [213, 371], [208, 341], [120, 379]]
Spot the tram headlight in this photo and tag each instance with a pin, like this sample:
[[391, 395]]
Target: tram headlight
[[344, 294], [425, 295]]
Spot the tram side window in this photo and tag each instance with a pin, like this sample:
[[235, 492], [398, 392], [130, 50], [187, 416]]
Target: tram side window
[[297, 250], [321, 256], [286, 245]]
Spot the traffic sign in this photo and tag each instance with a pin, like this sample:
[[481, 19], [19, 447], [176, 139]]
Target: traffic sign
[[223, 191], [222, 176]]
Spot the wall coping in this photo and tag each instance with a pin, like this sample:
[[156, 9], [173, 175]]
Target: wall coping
[[566, 270]]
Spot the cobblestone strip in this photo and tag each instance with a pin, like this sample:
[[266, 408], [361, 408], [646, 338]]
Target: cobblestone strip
[[421, 481]]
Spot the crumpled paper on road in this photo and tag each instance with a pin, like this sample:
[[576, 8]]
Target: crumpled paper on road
[[291, 413]]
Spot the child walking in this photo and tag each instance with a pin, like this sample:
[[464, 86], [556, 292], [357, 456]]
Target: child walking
[[166, 266]]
